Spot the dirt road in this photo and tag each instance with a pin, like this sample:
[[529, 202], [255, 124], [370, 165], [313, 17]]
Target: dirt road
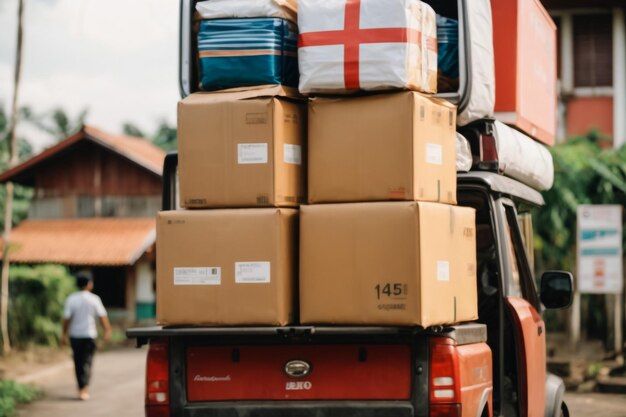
[[117, 388]]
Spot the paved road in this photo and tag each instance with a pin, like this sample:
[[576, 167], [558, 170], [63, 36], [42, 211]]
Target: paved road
[[118, 384], [596, 405], [117, 388]]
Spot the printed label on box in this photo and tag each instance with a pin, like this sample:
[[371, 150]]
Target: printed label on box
[[252, 153], [443, 271], [434, 154], [211, 275], [292, 154], [252, 272]]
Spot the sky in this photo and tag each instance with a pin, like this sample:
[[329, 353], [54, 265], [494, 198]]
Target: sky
[[117, 58]]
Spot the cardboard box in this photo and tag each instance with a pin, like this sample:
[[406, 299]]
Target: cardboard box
[[226, 267], [241, 150], [399, 146], [525, 50], [390, 263]]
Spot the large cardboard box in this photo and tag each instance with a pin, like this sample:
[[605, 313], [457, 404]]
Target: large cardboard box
[[226, 267], [398, 146], [389, 263], [525, 50], [241, 150]]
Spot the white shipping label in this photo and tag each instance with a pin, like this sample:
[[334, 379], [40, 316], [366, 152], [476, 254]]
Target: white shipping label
[[252, 153], [443, 271], [252, 272], [292, 154], [198, 276], [434, 154]]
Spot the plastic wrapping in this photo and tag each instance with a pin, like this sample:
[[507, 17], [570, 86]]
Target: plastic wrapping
[[523, 159], [463, 154], [227, 9], [481, 71], [247, 52], [429, 48], [372, 45]]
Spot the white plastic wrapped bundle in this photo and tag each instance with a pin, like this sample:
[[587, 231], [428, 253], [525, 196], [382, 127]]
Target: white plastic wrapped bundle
[[227, 9], [464, 158], [429, 48], [482, 92], [524, 159], [348, 46]]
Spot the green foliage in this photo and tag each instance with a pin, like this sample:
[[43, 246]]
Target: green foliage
[[165, 137], [36, 307], [12, 394], [22, 195], [132, 130], [57, 122], [585, 173], [24, 148]]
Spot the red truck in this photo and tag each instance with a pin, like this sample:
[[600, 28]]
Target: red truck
[[495, 366]]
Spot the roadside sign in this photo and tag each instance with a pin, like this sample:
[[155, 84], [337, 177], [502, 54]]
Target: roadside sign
[[599, 254]]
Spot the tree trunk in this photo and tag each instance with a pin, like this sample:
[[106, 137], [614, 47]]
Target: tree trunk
[[8, 215], [4, 307]]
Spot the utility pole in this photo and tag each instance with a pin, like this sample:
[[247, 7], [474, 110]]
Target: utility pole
[[8, 214]]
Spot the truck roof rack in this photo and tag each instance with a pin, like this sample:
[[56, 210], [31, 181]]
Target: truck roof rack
[[504, 185]]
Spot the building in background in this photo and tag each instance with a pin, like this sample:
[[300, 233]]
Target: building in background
[[592, 67], [96, 197]]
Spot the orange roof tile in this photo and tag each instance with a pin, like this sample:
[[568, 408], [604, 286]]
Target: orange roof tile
[[99, 241], [138, 150]]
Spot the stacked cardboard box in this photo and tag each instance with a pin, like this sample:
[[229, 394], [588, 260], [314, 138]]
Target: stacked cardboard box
[[379, 262], [230, 257], [391, 248], [227, 260], [381, 241]]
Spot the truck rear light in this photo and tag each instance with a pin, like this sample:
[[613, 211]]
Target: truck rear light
[[158, 411], [445, 410], [157, 379], [445, 391], [488, 149], [488, 153]]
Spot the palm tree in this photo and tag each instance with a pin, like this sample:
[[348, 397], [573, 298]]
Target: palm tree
[[13, 159], [58, 123]]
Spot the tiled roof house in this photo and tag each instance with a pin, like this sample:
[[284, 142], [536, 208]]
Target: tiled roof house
[[96, 195]]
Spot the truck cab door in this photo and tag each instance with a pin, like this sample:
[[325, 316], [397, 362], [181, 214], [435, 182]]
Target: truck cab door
[[523, 305]]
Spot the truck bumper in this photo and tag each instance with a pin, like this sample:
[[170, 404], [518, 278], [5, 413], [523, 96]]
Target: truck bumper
[[299, 409]]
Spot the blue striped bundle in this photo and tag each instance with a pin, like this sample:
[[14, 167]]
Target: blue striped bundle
[[448, 46], [247, 52]]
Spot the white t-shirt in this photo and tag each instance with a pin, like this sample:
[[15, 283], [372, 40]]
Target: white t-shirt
[[82, 308]]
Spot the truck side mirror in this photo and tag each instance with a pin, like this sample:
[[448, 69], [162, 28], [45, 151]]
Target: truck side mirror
[[556, 289]]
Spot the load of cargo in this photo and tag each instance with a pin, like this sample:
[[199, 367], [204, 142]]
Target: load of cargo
[[336, 203]]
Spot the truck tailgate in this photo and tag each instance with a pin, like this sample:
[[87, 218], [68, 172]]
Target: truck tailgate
[[297, 371], [320, 372]]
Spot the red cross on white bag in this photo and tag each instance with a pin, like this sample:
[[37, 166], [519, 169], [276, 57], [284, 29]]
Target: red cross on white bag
[[352, 36]]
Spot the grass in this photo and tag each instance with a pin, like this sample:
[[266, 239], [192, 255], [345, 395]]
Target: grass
[[12, 394]]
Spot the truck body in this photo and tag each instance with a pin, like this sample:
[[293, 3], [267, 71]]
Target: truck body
[[495, 366]]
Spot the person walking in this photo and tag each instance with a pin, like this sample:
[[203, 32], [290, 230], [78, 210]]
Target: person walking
[[82, 308]]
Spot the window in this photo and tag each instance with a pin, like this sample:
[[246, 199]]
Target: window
[[523, 282], [593, 50]]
